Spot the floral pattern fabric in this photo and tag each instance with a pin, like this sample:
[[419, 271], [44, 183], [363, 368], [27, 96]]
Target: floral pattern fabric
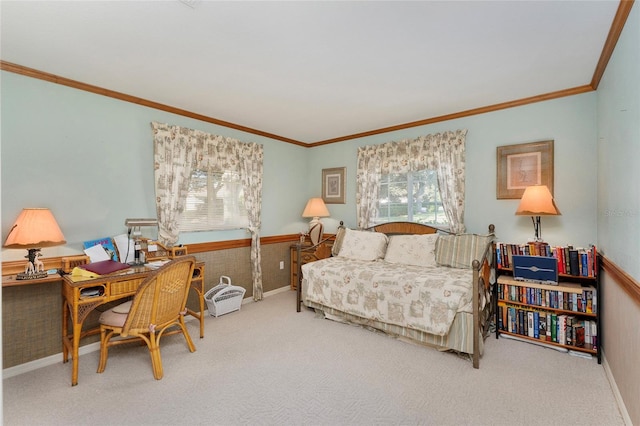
[[363, 245], [416, 297], [178, 151], [443, 152], [418, 250]]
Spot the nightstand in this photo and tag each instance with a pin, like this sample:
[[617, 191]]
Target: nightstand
[[306, 258]]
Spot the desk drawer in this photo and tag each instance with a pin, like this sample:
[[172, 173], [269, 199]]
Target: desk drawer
[[124, 287]]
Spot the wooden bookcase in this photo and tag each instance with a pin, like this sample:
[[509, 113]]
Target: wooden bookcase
[[576, 300]]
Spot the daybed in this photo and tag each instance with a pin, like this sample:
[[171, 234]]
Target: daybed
[[409, 280]]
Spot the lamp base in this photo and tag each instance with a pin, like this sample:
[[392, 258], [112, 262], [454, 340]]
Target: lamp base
[[315, 231], [35, 268], [31, 276]]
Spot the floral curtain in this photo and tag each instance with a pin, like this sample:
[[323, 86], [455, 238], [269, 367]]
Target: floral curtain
[[178, 151], [443, 152]]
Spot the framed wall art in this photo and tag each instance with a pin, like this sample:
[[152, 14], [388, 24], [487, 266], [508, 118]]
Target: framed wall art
[[523, 165], [333, 184]]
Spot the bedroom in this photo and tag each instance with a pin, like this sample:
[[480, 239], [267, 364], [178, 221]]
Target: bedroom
[[90, 148]]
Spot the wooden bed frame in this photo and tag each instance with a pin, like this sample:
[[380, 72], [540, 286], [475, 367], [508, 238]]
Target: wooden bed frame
[[481, 273]]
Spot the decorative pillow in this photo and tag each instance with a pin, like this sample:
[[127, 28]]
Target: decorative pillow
[[458, 251], [363, 245], [416, 250], [337, 243]]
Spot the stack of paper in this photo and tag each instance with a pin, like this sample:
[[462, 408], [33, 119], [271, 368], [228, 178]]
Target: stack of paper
[[157, 263]]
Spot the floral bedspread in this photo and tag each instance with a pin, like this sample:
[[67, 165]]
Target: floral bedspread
[[425, 298]]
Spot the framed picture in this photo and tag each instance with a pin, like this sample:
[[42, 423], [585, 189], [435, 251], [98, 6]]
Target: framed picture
[[523, 165], [333, 185]]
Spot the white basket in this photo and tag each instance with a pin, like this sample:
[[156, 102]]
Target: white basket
[[224, 297]]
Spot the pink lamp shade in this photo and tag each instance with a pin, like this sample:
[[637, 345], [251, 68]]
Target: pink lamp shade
[[537, 201], [34, 228]]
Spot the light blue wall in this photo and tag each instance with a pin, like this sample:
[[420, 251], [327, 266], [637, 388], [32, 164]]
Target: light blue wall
[[619, 150], [570, 122], [88, 158]]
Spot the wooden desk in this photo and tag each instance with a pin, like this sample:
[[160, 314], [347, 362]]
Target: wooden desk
[[11, 281], [77, 305]]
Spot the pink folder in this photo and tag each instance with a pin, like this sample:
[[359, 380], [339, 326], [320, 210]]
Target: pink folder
[[105, 267]]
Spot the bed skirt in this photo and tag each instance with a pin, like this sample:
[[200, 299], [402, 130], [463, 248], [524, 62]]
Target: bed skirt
[[459, 338]]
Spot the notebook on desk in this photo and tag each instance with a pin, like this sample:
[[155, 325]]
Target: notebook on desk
[[105, 267]]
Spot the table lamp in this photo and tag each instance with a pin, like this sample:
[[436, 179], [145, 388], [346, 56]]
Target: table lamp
[[134, 230], [537, 201], [315, 208], [33, 229]]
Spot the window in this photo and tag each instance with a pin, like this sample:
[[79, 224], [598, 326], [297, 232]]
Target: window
[[412, 197], [215, 202]]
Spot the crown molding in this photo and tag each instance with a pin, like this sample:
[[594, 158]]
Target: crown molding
[[624, 8], [52, 78]]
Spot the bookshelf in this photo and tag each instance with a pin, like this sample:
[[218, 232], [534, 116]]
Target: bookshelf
[[564, 316]]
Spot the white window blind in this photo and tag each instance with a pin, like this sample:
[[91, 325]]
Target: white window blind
[[215, 202]]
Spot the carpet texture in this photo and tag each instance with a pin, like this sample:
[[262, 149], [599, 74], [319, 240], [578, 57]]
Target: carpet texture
[[268, 365]]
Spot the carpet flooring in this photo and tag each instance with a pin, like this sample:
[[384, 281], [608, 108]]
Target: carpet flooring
[[268, 365]]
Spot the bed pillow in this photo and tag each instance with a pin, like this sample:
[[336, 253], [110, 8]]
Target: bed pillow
[[418, 250], [363, 245], [458, 251]]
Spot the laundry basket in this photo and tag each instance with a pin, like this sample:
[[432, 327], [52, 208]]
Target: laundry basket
[[224, 297]]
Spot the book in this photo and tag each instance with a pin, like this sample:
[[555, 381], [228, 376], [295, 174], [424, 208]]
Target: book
[[574, 262], [542, 326], [562, 329], [105, 267], [579, 335], [107, 245]]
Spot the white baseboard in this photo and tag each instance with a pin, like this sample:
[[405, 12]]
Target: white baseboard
[[95, 346], [616, 392], [46, 361]]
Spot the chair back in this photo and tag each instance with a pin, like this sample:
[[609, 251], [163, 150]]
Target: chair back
[[161, 298]]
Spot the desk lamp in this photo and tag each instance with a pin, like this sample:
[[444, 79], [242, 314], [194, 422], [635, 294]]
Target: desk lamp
[[315, 208], [134, 230], [33, 229], [537, 201]]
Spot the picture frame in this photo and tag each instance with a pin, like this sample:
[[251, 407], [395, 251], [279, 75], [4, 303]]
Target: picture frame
[[333, 184], [522, 165]]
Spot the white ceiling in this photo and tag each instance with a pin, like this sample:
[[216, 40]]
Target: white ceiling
[[313, 71]]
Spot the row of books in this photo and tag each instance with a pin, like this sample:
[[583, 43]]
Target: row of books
[[545, 326], [578, 299], [571, 260]]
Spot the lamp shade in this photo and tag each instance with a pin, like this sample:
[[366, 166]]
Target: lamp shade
[[315, 208], [140, 222], [34, 228], [537, 201]]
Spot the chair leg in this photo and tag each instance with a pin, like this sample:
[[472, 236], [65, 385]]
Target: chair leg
[[156, 359], [187, 337], [105, 336]]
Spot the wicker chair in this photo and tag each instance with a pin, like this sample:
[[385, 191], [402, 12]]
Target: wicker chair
[[158, 305]]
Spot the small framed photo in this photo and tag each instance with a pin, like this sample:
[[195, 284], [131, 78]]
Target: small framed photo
[[333, 185], [523, 165]]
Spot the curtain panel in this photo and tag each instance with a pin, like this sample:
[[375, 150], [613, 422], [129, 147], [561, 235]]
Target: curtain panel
[[443, 152], [177, 152]]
